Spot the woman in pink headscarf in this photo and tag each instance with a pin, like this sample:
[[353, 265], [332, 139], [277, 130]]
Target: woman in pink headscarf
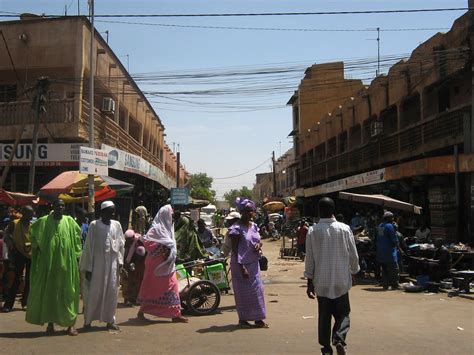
[[159, 292]]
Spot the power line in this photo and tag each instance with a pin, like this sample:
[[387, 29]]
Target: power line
[[276, 28], [311, 13], [249, 171]]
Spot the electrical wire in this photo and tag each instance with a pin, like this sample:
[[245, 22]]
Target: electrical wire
[[276, 28], [245, 173], [259, 14]]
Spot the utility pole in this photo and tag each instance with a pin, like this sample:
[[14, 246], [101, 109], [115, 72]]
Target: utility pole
[[41, 90], [378, 51], [274, 175], [90, 177], [178, 158]]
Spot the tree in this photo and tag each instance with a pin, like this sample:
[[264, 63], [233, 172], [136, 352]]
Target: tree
[[244, 192], [200, 187]]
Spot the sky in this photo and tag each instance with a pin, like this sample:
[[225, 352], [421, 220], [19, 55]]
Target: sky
[[235, 129]]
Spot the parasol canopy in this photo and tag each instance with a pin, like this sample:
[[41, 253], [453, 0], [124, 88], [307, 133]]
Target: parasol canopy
[[273, 206], [381, 200], [17, 198], [71, 186]]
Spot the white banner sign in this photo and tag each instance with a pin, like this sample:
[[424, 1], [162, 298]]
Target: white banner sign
[[124, 161], [93, 161], [46, 154], [369, 178]]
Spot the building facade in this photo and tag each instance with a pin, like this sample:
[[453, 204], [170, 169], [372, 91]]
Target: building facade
[[409, 134], [124, 120]]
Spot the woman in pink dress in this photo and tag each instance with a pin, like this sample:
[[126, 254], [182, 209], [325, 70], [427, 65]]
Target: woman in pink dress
[[159, 292]]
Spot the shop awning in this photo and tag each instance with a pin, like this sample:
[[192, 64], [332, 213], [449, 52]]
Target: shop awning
[[381, 200]]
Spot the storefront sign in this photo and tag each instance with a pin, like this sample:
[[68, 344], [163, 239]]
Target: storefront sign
[[93, 161], [179, 196], [351, 182], [46, 154], [124, 161]]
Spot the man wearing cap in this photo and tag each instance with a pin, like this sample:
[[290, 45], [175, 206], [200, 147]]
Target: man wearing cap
[[101, 262], [387, 246], [54, 278]]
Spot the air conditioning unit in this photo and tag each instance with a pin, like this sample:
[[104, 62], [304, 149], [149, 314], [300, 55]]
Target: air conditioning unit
[[108, 105], [376, 128]]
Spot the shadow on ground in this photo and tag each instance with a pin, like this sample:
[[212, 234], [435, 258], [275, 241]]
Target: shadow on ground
[[32, 335], [135, 322], [374, 289], [220, 329]]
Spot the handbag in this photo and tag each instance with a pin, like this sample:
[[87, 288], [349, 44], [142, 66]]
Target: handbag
[[263, 262]]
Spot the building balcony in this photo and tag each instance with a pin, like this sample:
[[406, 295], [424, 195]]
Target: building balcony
[[437, 132], [68, 120]]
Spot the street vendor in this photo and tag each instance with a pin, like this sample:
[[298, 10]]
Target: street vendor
[[440, 264]]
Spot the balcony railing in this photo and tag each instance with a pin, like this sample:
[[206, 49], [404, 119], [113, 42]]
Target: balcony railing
[[21, 112], [437, 132], [66, 111], [109, 132]]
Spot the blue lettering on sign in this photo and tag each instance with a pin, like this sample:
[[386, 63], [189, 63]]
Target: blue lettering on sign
[[132, 162]]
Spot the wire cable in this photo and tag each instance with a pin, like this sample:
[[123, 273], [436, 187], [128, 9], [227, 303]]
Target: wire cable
[[245, 173], [258, 14], [276, 28]]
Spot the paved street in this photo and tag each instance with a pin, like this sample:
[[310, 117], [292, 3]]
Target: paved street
[[382, 322]]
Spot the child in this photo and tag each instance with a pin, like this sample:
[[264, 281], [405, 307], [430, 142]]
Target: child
[[134, 267]]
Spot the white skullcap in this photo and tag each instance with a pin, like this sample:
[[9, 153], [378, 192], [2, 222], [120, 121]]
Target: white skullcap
[[388, 214], [106, 204]]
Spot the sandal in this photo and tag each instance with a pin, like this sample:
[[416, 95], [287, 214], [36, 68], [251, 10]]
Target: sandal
[[142, 317], [50, 328], [72, 331], [261, 324], [244, 324]]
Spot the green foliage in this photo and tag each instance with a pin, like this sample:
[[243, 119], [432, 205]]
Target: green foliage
[[200, 187], [244, 191]]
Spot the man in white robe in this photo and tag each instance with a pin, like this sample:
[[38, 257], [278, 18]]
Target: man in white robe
[[101, 261]]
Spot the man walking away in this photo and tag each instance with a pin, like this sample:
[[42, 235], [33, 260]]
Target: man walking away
[[387, 246], [101, 262], [19, 230], [55, 285], [302, 231], [331, 260]]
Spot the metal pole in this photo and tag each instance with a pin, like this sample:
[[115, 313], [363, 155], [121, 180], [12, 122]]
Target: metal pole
[[41, 90], [90, 178], [274, 175], [6, 169], [378, 51], [457, 187], [178, 158]]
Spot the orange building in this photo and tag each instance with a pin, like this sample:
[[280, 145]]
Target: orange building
[[409, 134], [125, 121]]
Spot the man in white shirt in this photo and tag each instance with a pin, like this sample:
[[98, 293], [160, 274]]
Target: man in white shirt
[[331, 260]]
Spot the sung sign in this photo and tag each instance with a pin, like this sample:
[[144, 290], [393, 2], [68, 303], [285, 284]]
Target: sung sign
[[93, 161]]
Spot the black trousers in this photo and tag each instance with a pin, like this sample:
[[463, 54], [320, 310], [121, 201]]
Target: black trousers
[[339, 308], [21, 263], [389, 274]]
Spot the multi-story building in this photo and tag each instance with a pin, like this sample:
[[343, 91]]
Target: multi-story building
[[263, 187], [125, 121], [285, 174], [409, 134]]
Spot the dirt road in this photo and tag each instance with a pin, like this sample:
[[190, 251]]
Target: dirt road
[[381, 323]]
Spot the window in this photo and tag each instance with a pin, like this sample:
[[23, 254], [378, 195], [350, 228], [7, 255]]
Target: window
[[444, 103], [7, 93]]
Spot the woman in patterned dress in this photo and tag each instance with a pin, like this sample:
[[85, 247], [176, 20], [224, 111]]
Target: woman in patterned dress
[[159, 292]]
